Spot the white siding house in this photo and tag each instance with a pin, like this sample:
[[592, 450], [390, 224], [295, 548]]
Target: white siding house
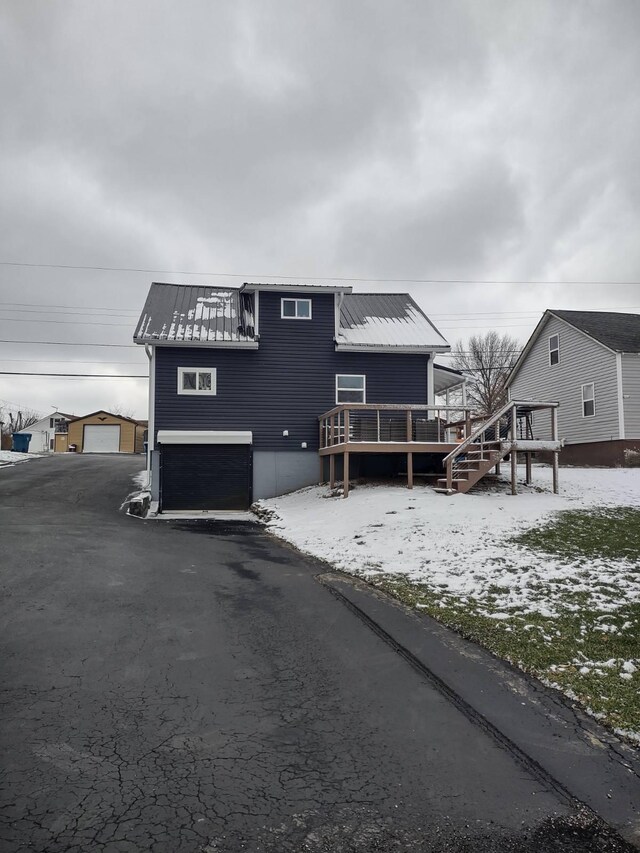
[[43, 431], [589, 361]]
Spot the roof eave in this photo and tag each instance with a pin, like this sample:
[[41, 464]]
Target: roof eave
[[154, 342], [397, 348], [297, 288]]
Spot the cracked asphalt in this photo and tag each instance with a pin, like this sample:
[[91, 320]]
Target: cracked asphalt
[[174, 687]]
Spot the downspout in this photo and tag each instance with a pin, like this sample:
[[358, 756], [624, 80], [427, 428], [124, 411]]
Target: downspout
[[430, 385], [151, 355], [338, 300]]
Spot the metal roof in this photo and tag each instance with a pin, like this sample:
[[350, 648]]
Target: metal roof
[[194, 314], [387, 320], [185, 312]]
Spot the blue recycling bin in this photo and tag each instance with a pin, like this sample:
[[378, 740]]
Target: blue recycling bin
[[21, 441]]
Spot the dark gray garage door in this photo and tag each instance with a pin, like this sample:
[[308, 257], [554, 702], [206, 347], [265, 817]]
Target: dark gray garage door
[[205, 476]]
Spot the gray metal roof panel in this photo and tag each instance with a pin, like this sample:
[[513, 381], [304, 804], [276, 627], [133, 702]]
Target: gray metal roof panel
[[386, 319], [178, 312]]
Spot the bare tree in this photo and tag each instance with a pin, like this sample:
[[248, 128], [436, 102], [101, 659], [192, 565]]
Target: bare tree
[[487, 361], [122, 411], [13, 420]]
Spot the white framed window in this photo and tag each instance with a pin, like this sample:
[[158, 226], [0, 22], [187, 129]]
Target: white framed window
[[197, 380], [351, 388], [295, 309], [588, 400], [554, 350]]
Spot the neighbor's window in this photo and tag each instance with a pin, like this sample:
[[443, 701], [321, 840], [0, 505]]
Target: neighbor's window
[[588, 400], [554, 349], [295, 309], [196, 380], [350, 389]]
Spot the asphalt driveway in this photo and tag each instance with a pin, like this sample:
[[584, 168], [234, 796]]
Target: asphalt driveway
[[178, 687]]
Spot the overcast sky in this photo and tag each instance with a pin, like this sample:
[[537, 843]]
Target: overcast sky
[[484, 141]]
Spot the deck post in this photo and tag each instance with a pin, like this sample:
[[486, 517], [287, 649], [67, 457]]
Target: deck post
[[332, 421], [378, 422], [554, 436], [409, 470], [345, 473], [467, 423], [514, 453], [409, 426], [528, 469], [332, 471]]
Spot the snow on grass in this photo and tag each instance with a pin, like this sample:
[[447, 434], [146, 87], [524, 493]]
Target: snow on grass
[[10, 457], [548, 582], [463, 545]]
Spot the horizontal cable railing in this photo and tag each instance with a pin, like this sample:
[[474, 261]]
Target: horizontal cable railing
[[383, 423]]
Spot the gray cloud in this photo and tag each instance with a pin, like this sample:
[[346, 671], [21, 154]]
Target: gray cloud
[[459, 140]]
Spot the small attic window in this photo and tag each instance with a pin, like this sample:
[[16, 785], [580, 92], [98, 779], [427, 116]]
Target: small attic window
[[295, 309], [554, 350]]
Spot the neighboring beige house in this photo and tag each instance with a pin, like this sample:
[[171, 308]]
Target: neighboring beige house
[[589, 361], [104, 432]]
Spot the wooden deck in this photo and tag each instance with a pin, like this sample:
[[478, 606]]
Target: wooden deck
[[470, 444]]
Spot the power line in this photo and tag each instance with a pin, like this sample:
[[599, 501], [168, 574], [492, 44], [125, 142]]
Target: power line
[[49, 305], [63, 322], [256, 277], [70, 344], [65, 361], [78, 375]]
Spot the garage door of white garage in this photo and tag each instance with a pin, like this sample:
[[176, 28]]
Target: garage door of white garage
[[101, 438]]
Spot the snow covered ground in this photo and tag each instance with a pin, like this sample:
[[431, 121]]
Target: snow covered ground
[[10, 457], [460, 545]]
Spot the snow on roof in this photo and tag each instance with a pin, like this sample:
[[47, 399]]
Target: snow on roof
[[178, 312], [189, 313], [387, 320]]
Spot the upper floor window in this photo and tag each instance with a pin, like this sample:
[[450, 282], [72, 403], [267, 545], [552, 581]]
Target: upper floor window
[[196, 380], [350, 389], [554, 349], [295, 309], [588, 400]]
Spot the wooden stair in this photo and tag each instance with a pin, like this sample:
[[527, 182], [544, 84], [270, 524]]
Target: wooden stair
[[471, 468]]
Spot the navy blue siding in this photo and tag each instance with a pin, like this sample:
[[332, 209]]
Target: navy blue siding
[[285, 384]]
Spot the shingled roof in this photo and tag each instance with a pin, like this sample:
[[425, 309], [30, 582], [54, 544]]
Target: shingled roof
[[619, 332]]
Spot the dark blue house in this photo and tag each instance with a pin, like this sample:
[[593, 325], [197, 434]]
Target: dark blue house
[[240, 377]]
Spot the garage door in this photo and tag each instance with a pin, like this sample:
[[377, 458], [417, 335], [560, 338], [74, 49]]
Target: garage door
[[205, 476], [101, 438]]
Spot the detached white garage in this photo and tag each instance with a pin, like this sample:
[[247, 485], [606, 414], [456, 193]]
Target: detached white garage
[[101, 438]]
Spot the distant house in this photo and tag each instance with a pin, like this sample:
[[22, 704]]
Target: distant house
[[589, 361], [104, 432], [43, 432], [240, 380]]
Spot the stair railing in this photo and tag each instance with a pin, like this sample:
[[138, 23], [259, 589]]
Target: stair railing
[[453, 461]]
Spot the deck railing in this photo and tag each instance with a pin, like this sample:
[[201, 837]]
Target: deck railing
[[386, 422]]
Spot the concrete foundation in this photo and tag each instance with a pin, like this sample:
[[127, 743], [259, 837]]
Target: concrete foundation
[[276, 472], [609, 454]]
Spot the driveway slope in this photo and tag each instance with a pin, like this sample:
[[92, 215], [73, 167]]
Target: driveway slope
[[192, 687]]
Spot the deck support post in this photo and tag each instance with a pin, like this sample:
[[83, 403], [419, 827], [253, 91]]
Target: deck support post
[[554, 436], [409, 470], [409, 426], [528, 470], [332, 423], [332, 471], [514, 454], [345, 473]]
